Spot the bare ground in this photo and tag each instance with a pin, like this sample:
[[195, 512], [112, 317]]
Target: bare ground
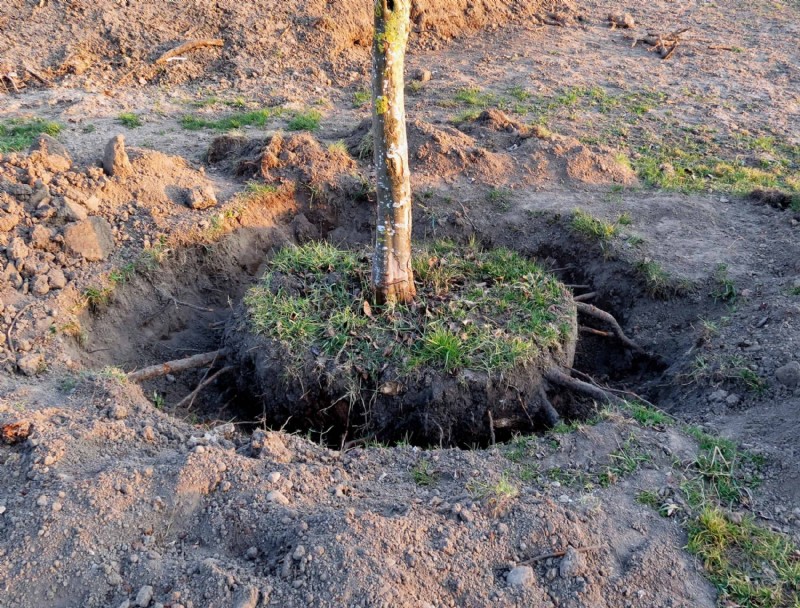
[[114, 491]]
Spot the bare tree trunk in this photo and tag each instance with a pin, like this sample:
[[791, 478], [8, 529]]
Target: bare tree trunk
[[392, 277]]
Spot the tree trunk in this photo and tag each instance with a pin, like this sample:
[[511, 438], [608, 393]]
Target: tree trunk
[[392, 277]]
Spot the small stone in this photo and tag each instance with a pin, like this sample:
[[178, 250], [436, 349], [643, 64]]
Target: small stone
[[71, 211], [57, 506], [571, 564], [42, 501], [622, 20], [466, 515], [30, 365], [118, 412], [274, 477], [17, 250], [92, 239], [521, 576], [41, 237], [299, 552], [423, 75], [789, 374], [252, 553], [40, 286], [719, 395], [277, 498], [201, 198], [125, 604], [246, 598], [732, 399], [144, 597], [56, 279], [115, 160]]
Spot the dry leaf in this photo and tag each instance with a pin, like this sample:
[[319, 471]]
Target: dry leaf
[[368, 309], [392, 388]]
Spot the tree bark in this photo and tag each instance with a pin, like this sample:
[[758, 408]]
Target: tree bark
[[392, 276]]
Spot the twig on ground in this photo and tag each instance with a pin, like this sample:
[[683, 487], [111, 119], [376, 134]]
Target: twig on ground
[[540, 558], [188, 47], [585, 296], [10, 331], [177, 302], [37, 76], [178, 365]]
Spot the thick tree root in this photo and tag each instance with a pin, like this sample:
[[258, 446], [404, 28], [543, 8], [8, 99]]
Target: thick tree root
[[178, 365], [557, 376], [607, 318]]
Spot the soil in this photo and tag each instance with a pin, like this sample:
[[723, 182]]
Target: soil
[[109, 489]]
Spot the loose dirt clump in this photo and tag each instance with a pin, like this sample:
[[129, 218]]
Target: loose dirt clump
[[545, 157]]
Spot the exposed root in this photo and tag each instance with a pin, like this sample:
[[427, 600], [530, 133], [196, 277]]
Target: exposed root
[[188, 401], [602, 315], [557, 376], [178, 365]]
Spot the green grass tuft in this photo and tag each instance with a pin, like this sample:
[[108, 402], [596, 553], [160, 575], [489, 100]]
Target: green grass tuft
[[305, 121], [237, 120], [130, 120], [18, 134], [750, 565], [592, 227]]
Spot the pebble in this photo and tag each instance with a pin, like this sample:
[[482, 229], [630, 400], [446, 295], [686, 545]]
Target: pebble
[[274, 477], [252, 553], [277, 498], [732, 399], [57, 506], [299, 553], [42, 501], [144, 597], [521, 576], [571, 564], [789, 374]]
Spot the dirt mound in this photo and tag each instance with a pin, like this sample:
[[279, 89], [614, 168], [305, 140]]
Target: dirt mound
[[108, 41], [548, 157], [62, 225]]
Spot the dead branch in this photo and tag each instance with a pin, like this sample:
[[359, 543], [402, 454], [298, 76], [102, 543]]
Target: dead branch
[[189, 399], [602, 315], [540, 558], [585, 296], [556, 376], [188, 47], [10, 331], [178, 365], [663, 44], [37, 76]]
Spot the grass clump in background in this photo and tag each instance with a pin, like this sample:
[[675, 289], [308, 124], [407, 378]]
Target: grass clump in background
[[18, 134]]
